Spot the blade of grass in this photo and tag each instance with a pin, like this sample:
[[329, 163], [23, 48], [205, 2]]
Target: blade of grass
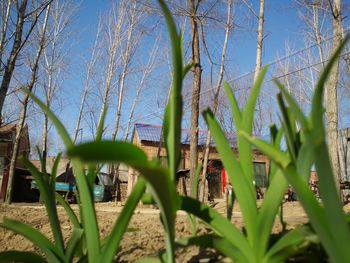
[[240, 183], [244, 147], [268, 211], [120, 226], [20, 256], [218, 243], [173, 134], [87, 211], [289, 131], [290, 243], [69, 211], [99, 131], [218, 223], [335, 216], [109, 151], [54, 173], [316, 214], [52, 252], [161, 186], [73, 243], [236, 112], [279, 157], [294, 105], [48, 198]]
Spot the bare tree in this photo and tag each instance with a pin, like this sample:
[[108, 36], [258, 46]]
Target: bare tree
[[22, 117], [114, 30], [196, 87], [228, 28], [88, 79], [5, 15], [54, 56], [146, 72], [331, 97], [131, 43], [20, 38]]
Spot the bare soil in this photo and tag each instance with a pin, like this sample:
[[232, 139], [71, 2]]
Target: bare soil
[[145, 236]]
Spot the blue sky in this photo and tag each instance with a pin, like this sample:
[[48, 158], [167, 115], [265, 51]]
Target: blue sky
[[282, 24]]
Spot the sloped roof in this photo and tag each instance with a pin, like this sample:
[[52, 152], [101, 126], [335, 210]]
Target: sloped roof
[[151, 133]]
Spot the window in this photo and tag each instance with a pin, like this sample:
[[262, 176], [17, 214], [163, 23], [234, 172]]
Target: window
[[260, 174]]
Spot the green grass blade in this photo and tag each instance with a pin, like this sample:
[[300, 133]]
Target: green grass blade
[[174, 112], [339, 229], [52, 252], [194, 194], [305, 160], [161, 187], [99, 131], [248, 111], [288, 126], [87, 211], [149, 260], [244, 147], [20, 256], [340, 235], [317, 100], [289, 244], [279, 157], [218, 243], [317, 215], [42, 163], [73, 243], [48, 198], [109, 151], [268, 211], [58, 124], [293, 105], [69, 211], [186, 69], [243, 188], [54, 173], [276, 135], [236, 112], [120, 226], [218, 223], [194, 187]]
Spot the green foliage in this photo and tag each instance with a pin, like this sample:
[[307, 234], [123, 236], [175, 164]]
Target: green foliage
[[305, 147]]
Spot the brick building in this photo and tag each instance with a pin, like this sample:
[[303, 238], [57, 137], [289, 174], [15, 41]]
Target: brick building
[[7, 140], [147, 137]]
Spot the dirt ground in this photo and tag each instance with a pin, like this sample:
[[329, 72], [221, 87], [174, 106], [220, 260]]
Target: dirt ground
[[145, 235]]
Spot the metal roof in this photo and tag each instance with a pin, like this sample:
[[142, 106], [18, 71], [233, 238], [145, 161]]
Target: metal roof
[[151, 133]]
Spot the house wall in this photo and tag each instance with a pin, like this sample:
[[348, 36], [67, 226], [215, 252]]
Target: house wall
[[7, 138], [151, 149]]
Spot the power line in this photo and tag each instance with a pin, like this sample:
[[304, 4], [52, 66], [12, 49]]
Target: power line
[[151, 115]]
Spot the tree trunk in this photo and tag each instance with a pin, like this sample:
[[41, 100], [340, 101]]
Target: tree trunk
[[114, 44], [148, 69], [20, 124], [260, 40], [331, 98], [11, 62], [258, 123], [89, 72], [4, 26], [216, 97], [196, 88]]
